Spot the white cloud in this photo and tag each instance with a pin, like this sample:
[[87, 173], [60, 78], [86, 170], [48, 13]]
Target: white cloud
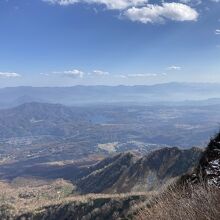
[[61, 2], [99, 73], [147, 75], [44, 74], [9, 75], [75, 73], [174, 67], [191, 2], [120, 76], [140, 10], [217, 31], [71, 73], [110, 4], [159, 13]]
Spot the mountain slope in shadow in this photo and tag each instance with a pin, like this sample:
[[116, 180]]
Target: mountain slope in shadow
[[127, 173]]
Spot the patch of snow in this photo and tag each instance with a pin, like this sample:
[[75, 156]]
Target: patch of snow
[[215, 163]]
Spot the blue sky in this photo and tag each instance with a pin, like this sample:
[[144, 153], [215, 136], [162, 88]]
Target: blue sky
[[111, 42]]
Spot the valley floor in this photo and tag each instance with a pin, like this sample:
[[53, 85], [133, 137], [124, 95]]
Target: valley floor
[[55, 200]]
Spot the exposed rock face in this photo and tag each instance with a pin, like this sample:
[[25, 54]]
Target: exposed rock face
[[209, 166], [208, 169]]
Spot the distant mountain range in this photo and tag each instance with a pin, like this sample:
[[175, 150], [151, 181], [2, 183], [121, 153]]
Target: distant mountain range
[[109, 128], [39, 119], [81, 95]]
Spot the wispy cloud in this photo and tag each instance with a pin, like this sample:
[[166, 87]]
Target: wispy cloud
[[99, 73], [9, 75], [109, 4], [75, 73], [71, 73], [44, 74], [120, 76], [173, 67], [191, 2], [61, 2], [146, 75], [217, 31]]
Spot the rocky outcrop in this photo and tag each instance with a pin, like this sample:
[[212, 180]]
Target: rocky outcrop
[[209, 165], [208, 169]]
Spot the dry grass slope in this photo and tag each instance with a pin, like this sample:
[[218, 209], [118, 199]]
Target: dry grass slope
[[194, 203], [27, 199]]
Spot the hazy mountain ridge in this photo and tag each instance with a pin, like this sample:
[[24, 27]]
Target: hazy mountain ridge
[[110, 123], [38, 119], [13, 96]]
